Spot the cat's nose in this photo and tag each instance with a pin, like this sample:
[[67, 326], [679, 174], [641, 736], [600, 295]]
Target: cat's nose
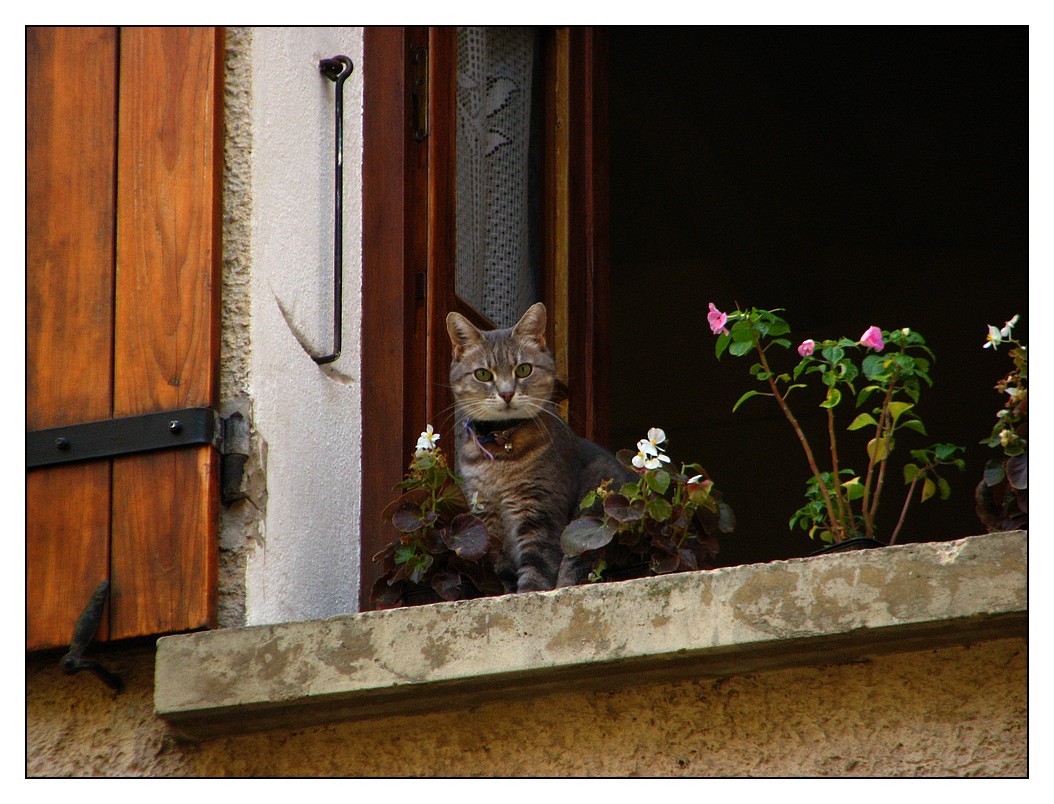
[[507, 396]]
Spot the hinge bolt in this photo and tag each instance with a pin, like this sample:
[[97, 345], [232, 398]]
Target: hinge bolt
[[175, 427], [62, 443]]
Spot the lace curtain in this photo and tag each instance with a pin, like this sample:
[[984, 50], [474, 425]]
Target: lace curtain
[[497, 254]]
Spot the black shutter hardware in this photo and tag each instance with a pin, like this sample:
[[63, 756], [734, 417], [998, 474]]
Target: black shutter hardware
[[111, 438]]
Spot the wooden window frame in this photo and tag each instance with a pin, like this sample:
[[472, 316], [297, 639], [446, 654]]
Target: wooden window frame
[[408, 253]]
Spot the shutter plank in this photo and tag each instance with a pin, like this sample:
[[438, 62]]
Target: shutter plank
[[165, 505], [70, 152]]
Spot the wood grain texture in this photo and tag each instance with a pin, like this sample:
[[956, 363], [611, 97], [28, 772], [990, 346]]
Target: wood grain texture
[[166, 351], [394, 231], [70, 156]]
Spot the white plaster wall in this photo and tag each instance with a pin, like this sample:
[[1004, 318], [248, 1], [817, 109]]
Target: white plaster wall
[[306, 563]]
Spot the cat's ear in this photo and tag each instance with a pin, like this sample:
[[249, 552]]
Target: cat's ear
[[532, 325], [462, 332]]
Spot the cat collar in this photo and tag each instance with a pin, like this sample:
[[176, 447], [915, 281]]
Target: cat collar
[[493, 432]]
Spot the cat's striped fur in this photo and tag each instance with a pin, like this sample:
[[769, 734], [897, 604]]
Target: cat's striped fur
[[529, 470]]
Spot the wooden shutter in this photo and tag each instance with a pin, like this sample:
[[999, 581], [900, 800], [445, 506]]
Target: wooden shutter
[[123, 172]]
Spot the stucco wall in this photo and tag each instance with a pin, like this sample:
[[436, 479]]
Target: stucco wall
[[957, 711], [292, 551]]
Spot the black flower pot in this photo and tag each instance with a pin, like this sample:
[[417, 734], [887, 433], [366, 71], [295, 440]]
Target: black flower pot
[[856, 543]]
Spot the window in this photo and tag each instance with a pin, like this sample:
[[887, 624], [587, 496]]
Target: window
[[412, 188]]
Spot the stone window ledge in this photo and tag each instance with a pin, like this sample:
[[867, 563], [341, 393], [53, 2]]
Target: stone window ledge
[[730, 621]]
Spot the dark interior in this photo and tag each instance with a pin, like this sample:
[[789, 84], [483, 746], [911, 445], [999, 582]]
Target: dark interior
[[853, 176]]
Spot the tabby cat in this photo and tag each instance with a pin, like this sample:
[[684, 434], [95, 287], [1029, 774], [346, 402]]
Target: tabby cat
[[529, 470]]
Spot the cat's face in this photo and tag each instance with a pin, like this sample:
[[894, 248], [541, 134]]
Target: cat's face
[[504, 373]]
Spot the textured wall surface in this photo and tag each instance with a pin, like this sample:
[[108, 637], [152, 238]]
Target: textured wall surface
[[304, 562], [240, 523], [958, 711]]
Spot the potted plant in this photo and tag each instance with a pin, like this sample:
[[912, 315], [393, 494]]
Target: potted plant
[[665, 521], [443, 551], [884, 372], [1002, 494]]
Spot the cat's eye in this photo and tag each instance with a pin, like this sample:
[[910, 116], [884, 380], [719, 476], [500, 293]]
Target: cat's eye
[[483, 375], [524, 370]]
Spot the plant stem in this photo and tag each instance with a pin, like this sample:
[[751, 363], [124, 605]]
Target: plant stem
[[839, 494], [869, 507], [904, 510], [836, 525]]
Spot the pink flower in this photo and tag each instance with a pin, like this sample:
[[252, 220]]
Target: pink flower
[[807, 347], [873, 337], [717, 320]]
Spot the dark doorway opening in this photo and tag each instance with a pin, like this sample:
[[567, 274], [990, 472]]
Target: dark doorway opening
[[853, 176]]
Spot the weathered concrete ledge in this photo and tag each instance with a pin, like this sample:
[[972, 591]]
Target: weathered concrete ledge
[[737, 620]]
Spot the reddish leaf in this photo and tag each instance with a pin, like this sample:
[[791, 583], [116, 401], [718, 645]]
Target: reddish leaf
[[413, 497], [1017, 471], [686, 559], [409, 517], [467, 536], [621, 509], [447, 585], [585, 533], [661, 564]]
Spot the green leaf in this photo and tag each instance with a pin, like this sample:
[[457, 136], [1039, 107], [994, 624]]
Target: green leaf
[[743, 332], [834, 396], [659, 509], [911, 471], [418, 566], [916, 425], [874, 367], [865, 393], [658, 480], [744, 398], [898, 409], [585, 533], [740, 348], [863, 420], [944, 487], [945, 451], [832, 354], [878, 449], [720, 345], [854, 489], [929, 488]]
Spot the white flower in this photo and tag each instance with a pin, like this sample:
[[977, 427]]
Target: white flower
[[643, 460], [474, 504], [650, 446], [997, 336], [649, 453], [695, 479], [428, 439]]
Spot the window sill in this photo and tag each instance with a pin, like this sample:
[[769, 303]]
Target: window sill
[[731, 621]]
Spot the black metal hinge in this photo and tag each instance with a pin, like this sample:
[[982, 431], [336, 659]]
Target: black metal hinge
[[112, 438], [419, 93]]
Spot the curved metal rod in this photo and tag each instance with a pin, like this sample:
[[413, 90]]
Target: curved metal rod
[[337, 69]]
